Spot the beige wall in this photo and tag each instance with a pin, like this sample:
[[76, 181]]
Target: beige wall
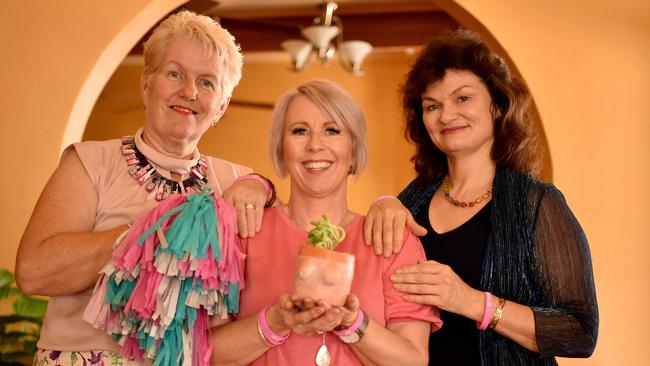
[[52, 52], [585, 62]]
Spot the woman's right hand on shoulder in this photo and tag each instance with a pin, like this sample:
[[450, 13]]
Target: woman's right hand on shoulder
[[248, 198], [385, 224]]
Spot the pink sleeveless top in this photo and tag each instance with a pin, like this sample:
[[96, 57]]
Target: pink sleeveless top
[[121, 200]]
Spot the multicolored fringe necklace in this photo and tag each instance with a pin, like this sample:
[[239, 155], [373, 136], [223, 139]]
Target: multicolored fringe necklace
[[457, 203], [144, 173], [175, 267]]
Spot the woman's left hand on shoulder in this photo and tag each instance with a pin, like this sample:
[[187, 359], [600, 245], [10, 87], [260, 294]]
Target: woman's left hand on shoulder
[[248, 198], [434, 283], [385, 223]]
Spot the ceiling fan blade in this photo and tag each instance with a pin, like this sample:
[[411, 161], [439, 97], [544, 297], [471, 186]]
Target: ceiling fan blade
[[251, 104], [128, 109], [132, 97]]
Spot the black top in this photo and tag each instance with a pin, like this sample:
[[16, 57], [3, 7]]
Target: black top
[[463, 249], [536, 255]]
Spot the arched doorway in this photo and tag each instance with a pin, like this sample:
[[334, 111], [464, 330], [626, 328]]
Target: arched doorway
[[112, 58]]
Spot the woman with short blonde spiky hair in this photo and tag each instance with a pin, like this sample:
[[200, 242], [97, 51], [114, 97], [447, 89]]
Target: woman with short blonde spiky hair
[[191, 67], [214, 40]]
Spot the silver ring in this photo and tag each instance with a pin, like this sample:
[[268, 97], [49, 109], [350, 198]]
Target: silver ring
[[249, 206]]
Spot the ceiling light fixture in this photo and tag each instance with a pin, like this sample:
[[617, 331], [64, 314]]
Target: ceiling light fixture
[[325, 38]]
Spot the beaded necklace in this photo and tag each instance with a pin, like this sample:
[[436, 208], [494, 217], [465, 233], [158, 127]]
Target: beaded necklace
[[144, 173], [457, 203]]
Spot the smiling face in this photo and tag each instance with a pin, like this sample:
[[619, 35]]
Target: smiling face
[[182, 97], [317, 152], [456, 113]]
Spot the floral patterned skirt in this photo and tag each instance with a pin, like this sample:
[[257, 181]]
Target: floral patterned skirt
[[84, 358]]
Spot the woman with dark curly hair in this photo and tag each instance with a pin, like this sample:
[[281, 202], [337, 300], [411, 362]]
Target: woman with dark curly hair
[[508, 263]]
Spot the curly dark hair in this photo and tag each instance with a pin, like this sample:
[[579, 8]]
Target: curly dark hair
[[515, 140]]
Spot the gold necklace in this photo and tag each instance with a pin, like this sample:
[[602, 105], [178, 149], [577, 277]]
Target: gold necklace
[[457, 203]]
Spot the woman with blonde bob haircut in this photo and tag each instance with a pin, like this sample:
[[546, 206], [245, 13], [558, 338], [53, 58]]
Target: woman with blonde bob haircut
[[318, 138], [335, 102]]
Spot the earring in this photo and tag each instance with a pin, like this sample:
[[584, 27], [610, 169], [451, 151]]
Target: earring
[[214, 123]]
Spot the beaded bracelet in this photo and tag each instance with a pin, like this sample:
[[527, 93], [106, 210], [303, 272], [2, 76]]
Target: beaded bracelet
[[498, 313], [382, 197], [487, 313], [269, 188], [269, 336], [271, 198], [353, 328]]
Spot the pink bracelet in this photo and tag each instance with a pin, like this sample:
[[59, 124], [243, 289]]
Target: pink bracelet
[[258, 179], [268, 334], [353, 328], [487, 313], [269, 188], [383, 197]]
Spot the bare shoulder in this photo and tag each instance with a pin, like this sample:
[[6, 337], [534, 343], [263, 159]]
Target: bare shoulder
[[68, 201]]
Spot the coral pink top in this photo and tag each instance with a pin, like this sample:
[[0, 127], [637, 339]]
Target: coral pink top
[[272, 256], [121, 200]]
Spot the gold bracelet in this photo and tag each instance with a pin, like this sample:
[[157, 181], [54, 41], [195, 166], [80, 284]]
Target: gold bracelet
[[498, 313]]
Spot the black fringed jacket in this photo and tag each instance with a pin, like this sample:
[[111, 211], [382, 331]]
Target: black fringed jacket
[[536, 255]]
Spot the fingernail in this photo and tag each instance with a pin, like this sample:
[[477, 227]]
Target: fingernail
[[393, 277]]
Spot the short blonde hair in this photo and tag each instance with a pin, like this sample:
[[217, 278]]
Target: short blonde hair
[[334, 102], [214, 39]]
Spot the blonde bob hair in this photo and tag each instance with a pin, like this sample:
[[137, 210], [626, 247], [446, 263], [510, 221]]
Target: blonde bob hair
[[214, 39], [335, 103]]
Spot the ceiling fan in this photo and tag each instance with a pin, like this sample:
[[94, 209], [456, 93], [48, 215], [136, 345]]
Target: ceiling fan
[[382, 23], [263, 28], [133, 102]]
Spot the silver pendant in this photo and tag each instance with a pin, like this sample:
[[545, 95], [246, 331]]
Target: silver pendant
[[323, 355]]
